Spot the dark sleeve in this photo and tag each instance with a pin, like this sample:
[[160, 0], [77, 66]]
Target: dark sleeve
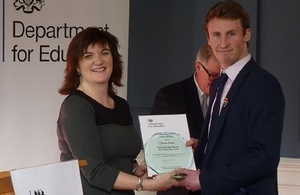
[[161, 103], [78, 137]]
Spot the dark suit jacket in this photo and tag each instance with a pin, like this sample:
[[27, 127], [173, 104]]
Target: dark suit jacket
[[243, 153], [181, 98]]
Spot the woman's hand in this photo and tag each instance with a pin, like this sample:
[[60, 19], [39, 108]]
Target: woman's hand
[[162, 182]]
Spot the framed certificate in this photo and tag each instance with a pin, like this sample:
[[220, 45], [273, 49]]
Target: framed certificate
[[164, 138]]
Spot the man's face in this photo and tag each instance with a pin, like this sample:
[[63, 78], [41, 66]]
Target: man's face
[[227, 40], [206, 73]]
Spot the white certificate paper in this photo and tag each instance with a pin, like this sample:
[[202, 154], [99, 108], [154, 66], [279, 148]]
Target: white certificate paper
[[164, 138]]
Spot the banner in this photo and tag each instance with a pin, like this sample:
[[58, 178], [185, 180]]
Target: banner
[[34, 38], [57, 179]]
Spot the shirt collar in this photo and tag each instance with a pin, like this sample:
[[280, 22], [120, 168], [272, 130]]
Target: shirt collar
[[200, 92], [233, 70]]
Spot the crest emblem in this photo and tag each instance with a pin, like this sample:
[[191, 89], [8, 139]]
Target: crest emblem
[[28, 6]]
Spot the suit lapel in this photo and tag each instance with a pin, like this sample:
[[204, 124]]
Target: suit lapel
[[230, 97], [200, 158]]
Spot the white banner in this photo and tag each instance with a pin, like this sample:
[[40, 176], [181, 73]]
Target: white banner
[[34, 38], [52, 179]]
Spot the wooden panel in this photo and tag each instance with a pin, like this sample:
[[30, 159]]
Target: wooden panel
[[289, 176], [6, 187]]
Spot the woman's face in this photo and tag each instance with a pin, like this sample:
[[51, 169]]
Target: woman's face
[[96, 65]]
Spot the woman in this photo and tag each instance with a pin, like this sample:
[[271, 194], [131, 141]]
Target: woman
[[95, 124]]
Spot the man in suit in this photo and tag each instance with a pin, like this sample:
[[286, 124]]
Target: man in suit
[[188, 96], [239, 148]]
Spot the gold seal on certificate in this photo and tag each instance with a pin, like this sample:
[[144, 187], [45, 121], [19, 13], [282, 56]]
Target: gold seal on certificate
[[166, 151]]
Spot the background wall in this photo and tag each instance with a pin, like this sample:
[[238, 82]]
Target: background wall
[[165, 36], [279, 51]]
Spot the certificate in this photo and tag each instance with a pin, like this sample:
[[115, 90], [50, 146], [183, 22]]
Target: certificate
[[164, 138]]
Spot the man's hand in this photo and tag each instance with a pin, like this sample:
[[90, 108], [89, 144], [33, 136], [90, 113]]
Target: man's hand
[[192, 142], [191, 182]]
